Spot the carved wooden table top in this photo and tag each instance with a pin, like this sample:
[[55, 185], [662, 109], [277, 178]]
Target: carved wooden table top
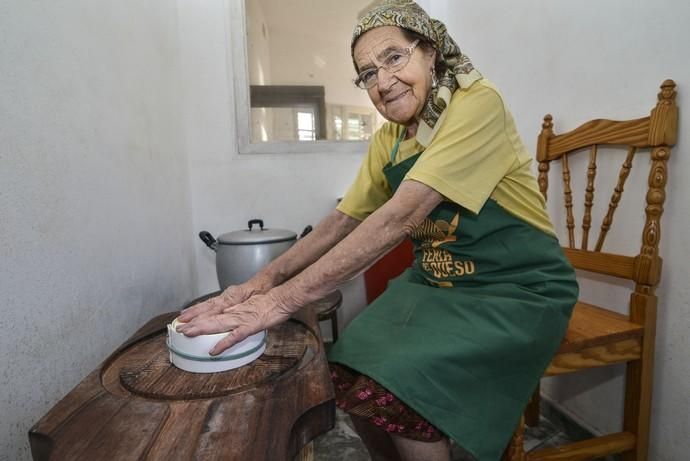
[[137, 406]]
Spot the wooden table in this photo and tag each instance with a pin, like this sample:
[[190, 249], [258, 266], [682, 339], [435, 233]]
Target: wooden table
[[137, 406]]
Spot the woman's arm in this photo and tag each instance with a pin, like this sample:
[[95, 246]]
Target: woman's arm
[[377, 235], [372, 239], [331, 230]]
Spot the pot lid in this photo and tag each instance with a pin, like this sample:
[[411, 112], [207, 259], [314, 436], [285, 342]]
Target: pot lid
[[256, 234]]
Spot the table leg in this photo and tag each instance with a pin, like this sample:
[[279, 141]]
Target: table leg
[[334, 326], [307, 453]]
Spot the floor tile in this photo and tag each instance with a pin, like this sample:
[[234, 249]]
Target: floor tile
[[538, 434], [341, 443]]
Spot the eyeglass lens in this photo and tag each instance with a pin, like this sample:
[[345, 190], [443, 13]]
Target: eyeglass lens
[[393, 61]]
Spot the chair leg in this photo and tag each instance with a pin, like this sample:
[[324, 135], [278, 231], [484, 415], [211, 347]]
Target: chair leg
[[532, 410], [638, 396], [638, 387], [515, 451], [631, 419]]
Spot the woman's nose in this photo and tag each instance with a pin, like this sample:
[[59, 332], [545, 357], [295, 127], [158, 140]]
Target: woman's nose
[[385, 80]]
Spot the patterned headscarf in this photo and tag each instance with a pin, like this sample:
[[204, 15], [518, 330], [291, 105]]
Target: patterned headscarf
[[460, 72]]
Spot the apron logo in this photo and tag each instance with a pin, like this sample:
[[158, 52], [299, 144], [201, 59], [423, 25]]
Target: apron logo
[[434, 234], [437, 261]]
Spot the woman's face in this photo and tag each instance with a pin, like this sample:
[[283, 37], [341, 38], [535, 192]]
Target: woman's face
[[399, 96]]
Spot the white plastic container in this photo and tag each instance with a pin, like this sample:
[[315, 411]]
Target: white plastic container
[[191, 353]]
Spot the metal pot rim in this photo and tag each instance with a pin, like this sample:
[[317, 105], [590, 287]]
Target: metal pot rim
[[256, 237], [258, 242]]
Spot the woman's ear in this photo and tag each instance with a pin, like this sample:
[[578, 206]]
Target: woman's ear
[[432, 56]]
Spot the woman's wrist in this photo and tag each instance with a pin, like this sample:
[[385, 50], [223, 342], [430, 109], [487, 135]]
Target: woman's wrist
[[285, 299], [259, 284]]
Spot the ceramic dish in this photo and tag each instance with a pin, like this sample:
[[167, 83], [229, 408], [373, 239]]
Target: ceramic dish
[[191, 354]]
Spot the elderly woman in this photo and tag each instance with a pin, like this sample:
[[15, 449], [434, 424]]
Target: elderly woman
[[457, 343]]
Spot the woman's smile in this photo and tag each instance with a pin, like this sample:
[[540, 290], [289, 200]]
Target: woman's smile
[[398, 97]]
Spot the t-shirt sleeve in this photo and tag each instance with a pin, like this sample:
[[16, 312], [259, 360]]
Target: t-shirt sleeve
[[470, 153], [370, 189]]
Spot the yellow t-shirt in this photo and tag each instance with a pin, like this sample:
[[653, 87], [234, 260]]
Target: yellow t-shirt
[[476, 154]]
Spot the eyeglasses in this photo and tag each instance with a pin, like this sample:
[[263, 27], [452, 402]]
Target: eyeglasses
[[394, 62]]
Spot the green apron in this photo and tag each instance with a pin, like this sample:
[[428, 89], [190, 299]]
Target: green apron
[[463, 336]]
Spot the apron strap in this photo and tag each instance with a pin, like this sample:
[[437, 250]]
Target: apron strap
[[394, 152]]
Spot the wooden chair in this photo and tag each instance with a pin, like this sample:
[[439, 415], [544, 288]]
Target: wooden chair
[[598, 336]]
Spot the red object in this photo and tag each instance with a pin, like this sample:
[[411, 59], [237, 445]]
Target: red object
[[390, 266]]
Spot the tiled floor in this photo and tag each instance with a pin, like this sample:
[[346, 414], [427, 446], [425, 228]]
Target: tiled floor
[[342, 443]]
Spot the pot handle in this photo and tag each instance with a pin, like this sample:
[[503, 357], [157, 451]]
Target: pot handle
[[306, 231], [208, 239], [251, 222]]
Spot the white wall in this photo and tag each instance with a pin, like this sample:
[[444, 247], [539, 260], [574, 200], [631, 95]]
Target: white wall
[[578, 60], [95, 220]]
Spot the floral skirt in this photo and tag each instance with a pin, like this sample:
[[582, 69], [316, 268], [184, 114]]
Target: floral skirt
[[361, 396]]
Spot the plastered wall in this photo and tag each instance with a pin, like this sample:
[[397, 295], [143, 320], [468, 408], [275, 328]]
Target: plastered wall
[[95, 220]]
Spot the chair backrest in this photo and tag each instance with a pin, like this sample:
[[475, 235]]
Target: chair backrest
[[656, 134]]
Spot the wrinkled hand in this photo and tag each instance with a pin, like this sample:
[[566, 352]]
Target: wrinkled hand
[[259, 312], [232, 295]]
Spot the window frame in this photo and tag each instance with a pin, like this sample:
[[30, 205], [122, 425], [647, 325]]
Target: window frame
[[238, 81]]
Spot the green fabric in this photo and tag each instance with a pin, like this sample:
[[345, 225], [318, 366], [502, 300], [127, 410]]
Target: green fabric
[[464, 335]]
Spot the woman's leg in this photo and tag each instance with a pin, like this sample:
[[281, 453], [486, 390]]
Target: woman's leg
[[414, 450], [378, 442]]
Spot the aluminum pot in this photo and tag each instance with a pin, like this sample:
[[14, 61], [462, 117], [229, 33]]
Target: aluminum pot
[[241, 254]]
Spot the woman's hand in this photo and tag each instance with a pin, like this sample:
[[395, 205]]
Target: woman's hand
[[232, 295], [257, 313]]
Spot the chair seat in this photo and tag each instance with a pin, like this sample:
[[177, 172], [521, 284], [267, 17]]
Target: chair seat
[[596, 337]]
